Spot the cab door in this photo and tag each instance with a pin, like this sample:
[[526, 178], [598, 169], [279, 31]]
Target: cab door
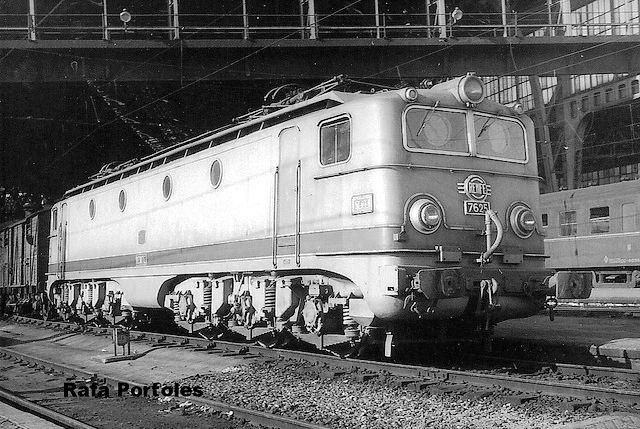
[[286, 248]]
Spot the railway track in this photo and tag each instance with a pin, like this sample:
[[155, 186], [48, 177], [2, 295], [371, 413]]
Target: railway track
[[410, 376], [50, 415], [67, 372]]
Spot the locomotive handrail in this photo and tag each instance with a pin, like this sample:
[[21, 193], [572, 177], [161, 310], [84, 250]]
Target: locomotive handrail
[[175, 24], [490, 216], [429, 167], [274, 237], [297, 241]]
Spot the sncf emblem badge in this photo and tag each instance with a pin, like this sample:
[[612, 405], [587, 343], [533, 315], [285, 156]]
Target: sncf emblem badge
[[477, 190]]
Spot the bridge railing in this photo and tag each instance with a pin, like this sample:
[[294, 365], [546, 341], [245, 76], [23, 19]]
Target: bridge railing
[[175, 26]]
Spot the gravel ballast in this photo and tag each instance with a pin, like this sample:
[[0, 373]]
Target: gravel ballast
[[297, 390]]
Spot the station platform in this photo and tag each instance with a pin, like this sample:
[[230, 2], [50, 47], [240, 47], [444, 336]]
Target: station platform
[[623, 350]]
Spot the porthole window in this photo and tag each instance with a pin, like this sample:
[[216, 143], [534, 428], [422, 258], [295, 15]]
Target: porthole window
[[167, 187], [215, 174], [92, 209], [122, 200]]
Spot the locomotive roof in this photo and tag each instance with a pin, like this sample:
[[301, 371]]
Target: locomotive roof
[[321, 97], [216, 137]]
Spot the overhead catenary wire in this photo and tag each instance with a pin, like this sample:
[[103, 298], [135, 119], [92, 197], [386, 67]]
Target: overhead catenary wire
[[229, 65], [205, 77]]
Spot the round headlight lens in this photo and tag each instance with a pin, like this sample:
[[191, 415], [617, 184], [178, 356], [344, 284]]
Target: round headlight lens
[[430, 215], [410, 94], [517, 108], [425, 215], [523, 221], [471, 89]]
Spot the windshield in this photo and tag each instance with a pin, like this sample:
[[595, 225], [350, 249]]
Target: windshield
[[499, 138], [429, 129], [433, 129]]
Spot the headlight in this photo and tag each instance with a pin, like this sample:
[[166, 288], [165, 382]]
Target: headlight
[[425, 215], [522, 220], [471, 89], [410, 94], [516, 108]]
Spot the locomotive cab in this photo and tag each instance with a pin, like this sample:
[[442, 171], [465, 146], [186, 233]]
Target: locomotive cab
[[464, 183]]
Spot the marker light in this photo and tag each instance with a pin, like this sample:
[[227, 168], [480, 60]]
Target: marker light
[[516, 108], [425, 215], [522, 220], [410, 94]]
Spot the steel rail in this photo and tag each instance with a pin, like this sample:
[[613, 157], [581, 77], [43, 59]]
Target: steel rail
[[401, 370], [256, 417], [12, 399]]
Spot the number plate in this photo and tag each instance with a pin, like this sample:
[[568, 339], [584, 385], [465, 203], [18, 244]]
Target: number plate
[[476, 207], [362, 204]]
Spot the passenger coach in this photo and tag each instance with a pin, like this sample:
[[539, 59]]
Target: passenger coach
[[596, 229]]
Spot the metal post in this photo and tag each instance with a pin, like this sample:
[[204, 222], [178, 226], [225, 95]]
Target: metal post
[[504, 18], [115, 338], [311, 16], [428, 17], [377, 9], [32, 20], [565, 10], [245, 20], [3, 161], [442, 19], [550, 18], [540, 121], [302, 26], [176, 20], [105, 21]]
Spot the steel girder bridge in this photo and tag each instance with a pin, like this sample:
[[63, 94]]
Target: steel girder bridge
[[180, 40], [173, 42]]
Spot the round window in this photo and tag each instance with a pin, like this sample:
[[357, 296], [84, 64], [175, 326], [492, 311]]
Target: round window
[[122, 200], [167, 187], [216, 173], [92, 209]]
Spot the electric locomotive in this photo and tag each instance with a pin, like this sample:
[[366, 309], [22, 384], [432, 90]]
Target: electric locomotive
[[328, 211]]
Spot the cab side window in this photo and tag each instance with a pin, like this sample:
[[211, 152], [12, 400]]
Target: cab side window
[[335, 141]]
